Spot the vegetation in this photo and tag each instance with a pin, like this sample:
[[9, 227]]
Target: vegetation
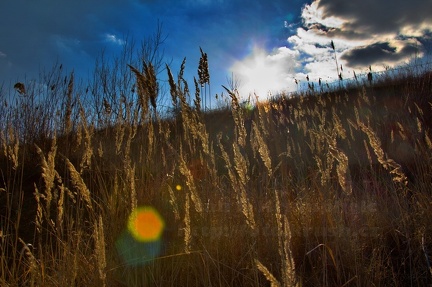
[[314, 189]]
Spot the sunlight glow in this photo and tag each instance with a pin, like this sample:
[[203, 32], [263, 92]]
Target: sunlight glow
[[262, 74]]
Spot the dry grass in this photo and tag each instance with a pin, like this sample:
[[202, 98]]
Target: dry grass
[[330, 189]]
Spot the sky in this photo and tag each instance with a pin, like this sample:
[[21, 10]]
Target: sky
[[264, 45]]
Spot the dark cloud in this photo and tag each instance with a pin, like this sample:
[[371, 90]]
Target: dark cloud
[[377, 17], [367, 32], [379, 53]]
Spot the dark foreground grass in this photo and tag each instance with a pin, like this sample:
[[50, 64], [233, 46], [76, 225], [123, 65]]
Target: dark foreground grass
[[328, 189]]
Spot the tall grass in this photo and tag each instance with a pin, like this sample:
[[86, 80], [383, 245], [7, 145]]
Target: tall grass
[[329, 189]]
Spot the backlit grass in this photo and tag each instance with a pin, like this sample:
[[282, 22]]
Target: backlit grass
[[99, 187]]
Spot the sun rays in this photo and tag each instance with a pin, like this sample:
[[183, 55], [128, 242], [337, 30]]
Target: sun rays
[[263, 74]]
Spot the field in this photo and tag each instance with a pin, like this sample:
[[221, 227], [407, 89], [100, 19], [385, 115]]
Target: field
[[329, 188]]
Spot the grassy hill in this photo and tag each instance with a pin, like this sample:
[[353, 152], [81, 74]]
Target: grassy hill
[[312, 189]]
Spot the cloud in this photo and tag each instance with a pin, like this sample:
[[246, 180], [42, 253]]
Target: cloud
[[386, 53], [365, 33], [75, 32], [262, 73], [379, 17], [371, 32], [292, 41], [111, 38]]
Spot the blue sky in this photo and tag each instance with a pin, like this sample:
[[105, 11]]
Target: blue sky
[[264, 44]]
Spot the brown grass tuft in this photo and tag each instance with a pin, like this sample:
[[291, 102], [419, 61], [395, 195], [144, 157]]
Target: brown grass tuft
[[389, 164], [79, 184], [267, 274]]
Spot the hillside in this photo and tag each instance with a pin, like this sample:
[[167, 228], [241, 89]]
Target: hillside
[[311, 189]]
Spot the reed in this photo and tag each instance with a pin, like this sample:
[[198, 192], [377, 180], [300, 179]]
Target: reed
[[99, 238], [302, 190]]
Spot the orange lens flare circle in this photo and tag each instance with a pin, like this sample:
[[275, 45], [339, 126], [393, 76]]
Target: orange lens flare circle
[[145, 224]]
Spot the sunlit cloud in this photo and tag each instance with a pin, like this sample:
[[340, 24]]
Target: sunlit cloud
[[261, 73], [292, 37], [312, 15], [364, 34]]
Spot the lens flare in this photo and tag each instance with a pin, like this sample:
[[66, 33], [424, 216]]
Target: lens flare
[[145, 224], [141, 242], [137, 253]]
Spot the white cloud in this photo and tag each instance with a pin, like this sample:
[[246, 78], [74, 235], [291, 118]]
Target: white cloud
[[367, 32], [114, 39], [312, 14], [364, 33], [2, 54], [262, 73]]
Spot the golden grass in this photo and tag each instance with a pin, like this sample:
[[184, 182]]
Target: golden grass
[[388, 163], [267, 274], [99, 238], [299, 191], [79, 184]]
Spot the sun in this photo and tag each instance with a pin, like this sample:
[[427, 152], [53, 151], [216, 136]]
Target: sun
[[259, 73]]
